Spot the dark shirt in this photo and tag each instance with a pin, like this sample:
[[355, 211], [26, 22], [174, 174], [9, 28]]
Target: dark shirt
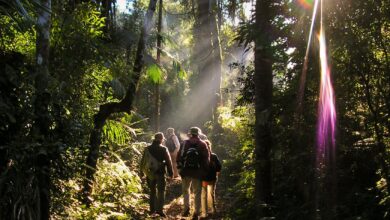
[[204, 156], [161, 153], [215, 166]]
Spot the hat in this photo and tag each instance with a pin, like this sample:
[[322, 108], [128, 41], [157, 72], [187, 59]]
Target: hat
[[159, 136], [170, 130], [194, 131]]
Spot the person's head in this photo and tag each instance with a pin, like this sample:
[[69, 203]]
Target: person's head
[[170, 131], [159, 137], [194, 131], [208, 143]]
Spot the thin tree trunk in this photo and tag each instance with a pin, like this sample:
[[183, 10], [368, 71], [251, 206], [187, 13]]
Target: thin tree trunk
[[42, 103], [219, 12], [124, 105], [157, 86], [217, 59], [263, 107], [156, 107], [105, 12]]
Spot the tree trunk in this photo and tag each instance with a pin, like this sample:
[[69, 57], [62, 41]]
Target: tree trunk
[[157, 86], [106, 9], [216, 59], [124, 105], [202, 93], [202, 39], [263, 107], [42, 122]]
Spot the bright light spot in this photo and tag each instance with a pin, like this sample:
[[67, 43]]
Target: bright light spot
[[121, 5], [290, 50], [247, 9]]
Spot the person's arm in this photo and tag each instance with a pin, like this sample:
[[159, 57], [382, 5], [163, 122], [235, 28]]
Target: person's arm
[[176, 142], [168, 163], [180, 152], [205, 154], [218, 165]]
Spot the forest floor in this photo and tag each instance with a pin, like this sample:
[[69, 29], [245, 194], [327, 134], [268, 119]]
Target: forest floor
[[174, 202]]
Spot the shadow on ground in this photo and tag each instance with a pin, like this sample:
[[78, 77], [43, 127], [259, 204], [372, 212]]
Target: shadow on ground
[[174, 203]]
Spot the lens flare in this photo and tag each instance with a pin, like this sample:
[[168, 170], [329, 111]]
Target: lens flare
[[326, 123], [307, 4], [306, 60]]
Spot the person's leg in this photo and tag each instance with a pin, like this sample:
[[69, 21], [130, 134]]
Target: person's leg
[[186, 184], [197, 186], [204, 198], [152, 196], [211, 195], [161, 183], [174, 164]]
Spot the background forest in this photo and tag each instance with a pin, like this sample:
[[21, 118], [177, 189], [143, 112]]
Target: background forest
[[84, 84]]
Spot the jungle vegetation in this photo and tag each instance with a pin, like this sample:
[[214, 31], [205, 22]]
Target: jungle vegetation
[[84, 84]]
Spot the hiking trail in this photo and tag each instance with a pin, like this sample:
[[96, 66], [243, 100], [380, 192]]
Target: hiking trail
[[173, 207]]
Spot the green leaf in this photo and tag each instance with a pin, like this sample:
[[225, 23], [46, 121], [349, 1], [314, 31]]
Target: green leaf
[[182, 74], [179, 70], [154, 73]]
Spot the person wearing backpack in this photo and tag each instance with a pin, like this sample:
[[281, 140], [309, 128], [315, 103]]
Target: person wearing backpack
[[209, 182], [193, 159], [173, 145], [155, 162]]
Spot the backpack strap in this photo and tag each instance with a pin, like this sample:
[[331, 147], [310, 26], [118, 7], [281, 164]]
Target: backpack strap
[[151, 154], [182, 150]]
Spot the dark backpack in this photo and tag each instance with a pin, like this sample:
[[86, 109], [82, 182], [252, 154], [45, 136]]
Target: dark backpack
[[149, 164], [170, 144], [191, 158], [215, 164]]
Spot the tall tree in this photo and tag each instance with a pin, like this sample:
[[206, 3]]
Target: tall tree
[[158, 59], [263, 104], [42, 103], [207, 63], [216, 70], [107, 11], [125, 105]]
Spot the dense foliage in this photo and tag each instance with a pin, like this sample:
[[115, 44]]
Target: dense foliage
[[92, 57]]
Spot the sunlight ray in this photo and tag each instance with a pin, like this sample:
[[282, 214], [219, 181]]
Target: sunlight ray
[[306, 59]]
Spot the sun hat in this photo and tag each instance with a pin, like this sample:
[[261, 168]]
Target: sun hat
[[194, 131]]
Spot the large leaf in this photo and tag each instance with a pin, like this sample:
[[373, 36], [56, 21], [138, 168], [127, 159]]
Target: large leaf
[[155, 73], [23, 8]]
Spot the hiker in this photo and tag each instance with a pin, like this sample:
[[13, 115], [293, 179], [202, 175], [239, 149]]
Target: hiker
[[193, 159], [209, 182], [202, 136], [173, 145], [153, 163]]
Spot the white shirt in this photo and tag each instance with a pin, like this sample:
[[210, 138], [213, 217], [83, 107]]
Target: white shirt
[[176, 142]]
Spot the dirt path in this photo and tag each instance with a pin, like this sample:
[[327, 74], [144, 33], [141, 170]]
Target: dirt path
[[174, 202]]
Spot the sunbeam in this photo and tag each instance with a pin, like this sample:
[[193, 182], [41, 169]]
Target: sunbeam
[[306, 59]]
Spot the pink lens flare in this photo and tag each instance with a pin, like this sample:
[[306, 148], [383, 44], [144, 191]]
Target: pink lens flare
[[326, 123]]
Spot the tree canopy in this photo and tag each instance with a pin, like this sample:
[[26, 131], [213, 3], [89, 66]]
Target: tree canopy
[[85, 84]]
